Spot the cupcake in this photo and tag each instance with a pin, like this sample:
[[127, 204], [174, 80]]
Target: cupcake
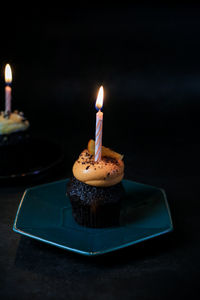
[[13, 128], [95, 190]]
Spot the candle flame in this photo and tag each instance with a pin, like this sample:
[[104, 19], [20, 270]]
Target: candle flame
[[8, 74], [99, 101]]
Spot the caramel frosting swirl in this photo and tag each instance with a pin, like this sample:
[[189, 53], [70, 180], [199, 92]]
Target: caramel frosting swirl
[[106, 172]]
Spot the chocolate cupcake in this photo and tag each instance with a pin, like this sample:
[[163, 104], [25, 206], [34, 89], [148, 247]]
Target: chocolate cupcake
[[95, 190], [13, 129]]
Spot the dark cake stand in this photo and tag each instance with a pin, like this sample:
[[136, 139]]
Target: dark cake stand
[[33, 158]]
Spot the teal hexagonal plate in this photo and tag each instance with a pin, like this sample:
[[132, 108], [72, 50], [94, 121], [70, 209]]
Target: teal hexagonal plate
[[45, 214]]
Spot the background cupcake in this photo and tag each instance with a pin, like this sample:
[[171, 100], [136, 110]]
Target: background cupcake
[[14, 128]]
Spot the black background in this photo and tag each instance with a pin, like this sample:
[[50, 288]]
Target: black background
[[147, 58]]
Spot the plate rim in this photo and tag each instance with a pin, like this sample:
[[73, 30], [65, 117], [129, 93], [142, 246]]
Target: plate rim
[[92, 253]]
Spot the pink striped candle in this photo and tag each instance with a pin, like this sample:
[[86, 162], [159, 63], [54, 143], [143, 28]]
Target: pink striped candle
[[8, 90], [99, 125]]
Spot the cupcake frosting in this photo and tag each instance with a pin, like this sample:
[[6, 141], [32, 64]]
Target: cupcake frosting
[[12, 123], [106, 172]]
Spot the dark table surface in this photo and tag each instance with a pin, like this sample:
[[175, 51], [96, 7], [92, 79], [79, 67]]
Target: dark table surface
[[148, 62]]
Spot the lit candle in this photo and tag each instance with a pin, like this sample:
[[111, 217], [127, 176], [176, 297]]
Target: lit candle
[[99, 125], [8, 80]]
